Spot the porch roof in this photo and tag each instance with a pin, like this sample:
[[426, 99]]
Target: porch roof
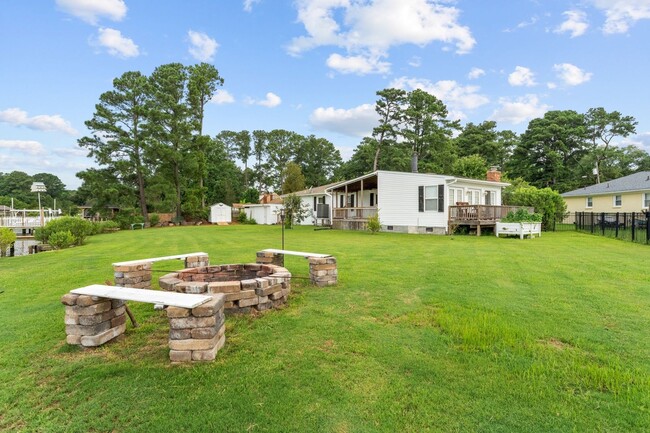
[[369, 182]]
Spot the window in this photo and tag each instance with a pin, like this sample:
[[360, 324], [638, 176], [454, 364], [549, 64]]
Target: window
[[618, 200], [456, 196], [431, 198], [590, 202], [372, 199], [473, 196], [341, 201], [646, 200]]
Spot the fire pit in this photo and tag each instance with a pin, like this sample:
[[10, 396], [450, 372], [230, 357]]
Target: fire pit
[[245, 286]]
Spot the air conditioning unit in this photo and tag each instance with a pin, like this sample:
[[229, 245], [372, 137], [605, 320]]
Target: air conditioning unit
[[322, 211]]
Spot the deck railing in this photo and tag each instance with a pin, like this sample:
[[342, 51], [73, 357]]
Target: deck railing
[[356, 213], [482, 212], [24, 221]]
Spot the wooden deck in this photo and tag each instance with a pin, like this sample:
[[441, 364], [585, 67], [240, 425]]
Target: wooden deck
[[479, 216]]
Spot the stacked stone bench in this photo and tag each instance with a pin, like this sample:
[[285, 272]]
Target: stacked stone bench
[[322, 267], [245, 286], [137, 273], [96, 315]]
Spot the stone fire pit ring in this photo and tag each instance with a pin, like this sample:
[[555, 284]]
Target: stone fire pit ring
[[246, 286]]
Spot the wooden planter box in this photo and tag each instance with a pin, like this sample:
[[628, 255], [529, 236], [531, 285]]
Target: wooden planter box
[[519, 229]]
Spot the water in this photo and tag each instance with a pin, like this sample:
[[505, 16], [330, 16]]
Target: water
[[22, 246]]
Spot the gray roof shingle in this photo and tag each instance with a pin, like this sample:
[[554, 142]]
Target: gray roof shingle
[[634, 182]]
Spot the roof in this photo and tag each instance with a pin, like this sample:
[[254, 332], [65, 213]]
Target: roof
[[447, 178], [634, 182], [315, 190]]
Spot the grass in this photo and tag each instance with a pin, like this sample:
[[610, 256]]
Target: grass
[[422, 333]]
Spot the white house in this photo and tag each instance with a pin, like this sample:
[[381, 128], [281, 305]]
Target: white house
[[417, 202], [314, 199], [263, 213]]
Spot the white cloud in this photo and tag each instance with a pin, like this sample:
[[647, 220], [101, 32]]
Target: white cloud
[[571, 75], [519, 110], [222, 97], [372, 28], [26, 146], [523, 24], [360, 65], [456, 97], [68, 152], [91, 10], [272, 100], [248, 4], [622, 14], [415, 62], [43, 122], [475, 73], [202, 46], [575, 23], [522, 77], [116, 44], [551, 85], [355, 122]]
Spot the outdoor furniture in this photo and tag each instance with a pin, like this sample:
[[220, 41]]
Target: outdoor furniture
[[137, 224], [323, 270], [95, 315]]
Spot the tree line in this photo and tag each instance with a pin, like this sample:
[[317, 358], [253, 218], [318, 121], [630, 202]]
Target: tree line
[[563, 150], [147, 138]]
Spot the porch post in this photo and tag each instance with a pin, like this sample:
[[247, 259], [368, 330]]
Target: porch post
[[360, 202]]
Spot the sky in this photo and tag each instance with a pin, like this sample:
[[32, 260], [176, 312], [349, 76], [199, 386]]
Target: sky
[[314, 66]]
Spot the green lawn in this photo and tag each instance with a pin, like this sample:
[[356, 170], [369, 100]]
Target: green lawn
[[422, 333]]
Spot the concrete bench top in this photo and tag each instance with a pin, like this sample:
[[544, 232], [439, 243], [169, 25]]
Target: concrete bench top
[[159, 259], [183, 300], [296, 253]]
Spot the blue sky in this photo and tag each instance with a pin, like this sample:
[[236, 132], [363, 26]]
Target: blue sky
[[313, 66]]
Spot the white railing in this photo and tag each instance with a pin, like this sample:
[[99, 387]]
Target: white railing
[[24, 221]]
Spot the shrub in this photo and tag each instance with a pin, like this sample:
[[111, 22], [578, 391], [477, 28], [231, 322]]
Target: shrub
[[521, 215], [108, 226], [242, 218], [374, 225], [7, 237], [547, 202], [154, 219], [61, 240], [78, 227], [251, 221]]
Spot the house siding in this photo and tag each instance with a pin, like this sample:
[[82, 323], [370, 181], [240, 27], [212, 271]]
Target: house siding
[[398, 202], [308, 202], [631, 202]]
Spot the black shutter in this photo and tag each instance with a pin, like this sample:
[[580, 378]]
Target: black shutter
[[421, 198], [441, 198]]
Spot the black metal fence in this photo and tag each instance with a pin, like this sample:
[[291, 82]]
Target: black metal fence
[[630, 226]]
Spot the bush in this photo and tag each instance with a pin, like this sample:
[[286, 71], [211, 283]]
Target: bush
[[251, 221], [242, 218], [547, 202], [374, 225], [78, 227], [521, 215], [154, 219], [108, 226], [62, 240], [7, 237]]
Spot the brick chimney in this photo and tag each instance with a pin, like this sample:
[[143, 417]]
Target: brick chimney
[[493, 174]]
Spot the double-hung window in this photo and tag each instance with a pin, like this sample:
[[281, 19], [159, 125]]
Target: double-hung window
[[431, 198], [646, 200], [590, 202], [618, 200]]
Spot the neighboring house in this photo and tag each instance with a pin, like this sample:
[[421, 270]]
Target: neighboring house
[[263, 213], [220, 213], [417, 202], [625, 194], [313, 199]]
